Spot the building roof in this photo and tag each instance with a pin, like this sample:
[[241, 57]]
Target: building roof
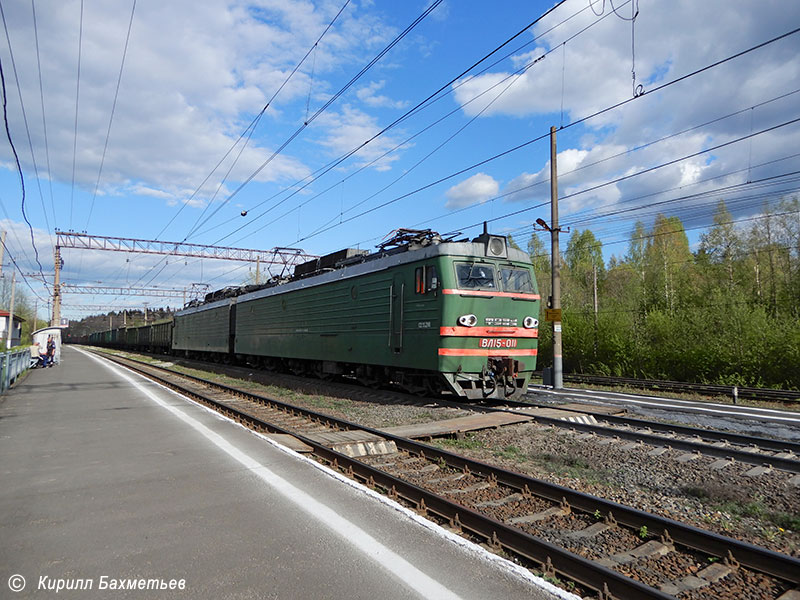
[[51, 328], [4, 313]]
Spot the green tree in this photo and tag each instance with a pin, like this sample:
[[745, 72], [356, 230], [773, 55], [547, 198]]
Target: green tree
[[23, 307], [723, 245], [585, 266], [788, 239], [540, 254], [540, 257], [667, 262]]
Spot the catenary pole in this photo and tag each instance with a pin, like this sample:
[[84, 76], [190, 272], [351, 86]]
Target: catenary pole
[[56, 318], [10, 328], [2, 250], [558, 378]]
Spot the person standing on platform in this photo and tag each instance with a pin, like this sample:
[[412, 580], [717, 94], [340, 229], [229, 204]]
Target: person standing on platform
[[51, 351]]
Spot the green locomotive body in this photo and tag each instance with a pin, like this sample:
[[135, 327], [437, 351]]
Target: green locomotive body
[[427, 317], [206, 329]]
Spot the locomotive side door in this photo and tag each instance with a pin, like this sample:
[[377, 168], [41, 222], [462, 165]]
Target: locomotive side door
[[397, 291]]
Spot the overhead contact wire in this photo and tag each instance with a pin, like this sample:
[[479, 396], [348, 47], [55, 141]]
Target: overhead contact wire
[[111, 118], [24, 117], [254, 124], [421, 106], [322, 109], [251, 129], [44, 118], [77, 99], [412, 111], [19, 168], [569, 125]]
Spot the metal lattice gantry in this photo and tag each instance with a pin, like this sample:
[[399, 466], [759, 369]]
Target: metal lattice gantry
[[276, 256], [284, 257], [128, 291], [105, 307]]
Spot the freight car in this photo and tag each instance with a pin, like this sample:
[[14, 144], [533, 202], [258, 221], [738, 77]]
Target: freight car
[[156, 337], [422, 313]]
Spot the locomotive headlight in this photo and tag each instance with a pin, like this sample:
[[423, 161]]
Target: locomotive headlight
[[530, 323], [467, 320]]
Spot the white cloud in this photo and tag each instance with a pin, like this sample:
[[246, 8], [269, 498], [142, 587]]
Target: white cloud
[[143, 190], [477, 189], [195, 74], [347, 129], [368, 96], [671, 39]]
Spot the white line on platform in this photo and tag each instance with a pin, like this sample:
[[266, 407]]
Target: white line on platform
[[508, 566], [372, 548]]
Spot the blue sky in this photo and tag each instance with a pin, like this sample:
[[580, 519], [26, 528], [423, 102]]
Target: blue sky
[[196, 74]]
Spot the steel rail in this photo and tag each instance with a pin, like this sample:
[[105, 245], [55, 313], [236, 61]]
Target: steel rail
[[767, 394], [791, 465], [707, 434], [784, 464], [573, 566]]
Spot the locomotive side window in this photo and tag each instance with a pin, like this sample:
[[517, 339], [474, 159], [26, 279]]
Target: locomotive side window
[[475, 276], [517, 280], [425, 279], [431, 278]]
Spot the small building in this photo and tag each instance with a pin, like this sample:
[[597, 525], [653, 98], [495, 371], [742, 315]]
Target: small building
[[41, 336], [16, 331]]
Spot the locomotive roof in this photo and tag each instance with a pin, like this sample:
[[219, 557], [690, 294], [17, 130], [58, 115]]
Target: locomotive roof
[[361, 265]]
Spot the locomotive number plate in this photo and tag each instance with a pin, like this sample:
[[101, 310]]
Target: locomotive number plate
[[498, 343]]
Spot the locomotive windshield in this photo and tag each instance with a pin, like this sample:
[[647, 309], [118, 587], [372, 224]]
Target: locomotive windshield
[[475, 276], [517, 280]]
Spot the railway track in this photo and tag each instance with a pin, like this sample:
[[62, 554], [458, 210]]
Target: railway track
[[726, 446], [729, 391], [765, 454], [610, 549]]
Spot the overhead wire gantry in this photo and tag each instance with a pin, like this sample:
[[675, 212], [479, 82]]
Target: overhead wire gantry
[[286, 258]]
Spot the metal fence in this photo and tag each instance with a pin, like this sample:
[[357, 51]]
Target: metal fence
[[12, 364]]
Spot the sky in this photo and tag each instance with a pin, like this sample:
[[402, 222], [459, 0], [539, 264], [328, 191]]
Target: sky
[[324, 124]]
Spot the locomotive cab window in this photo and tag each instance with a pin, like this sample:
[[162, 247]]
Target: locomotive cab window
[[475, 276], [517, 280], [425, 279]]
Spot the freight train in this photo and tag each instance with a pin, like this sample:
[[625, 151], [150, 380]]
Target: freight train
[[422, 313]]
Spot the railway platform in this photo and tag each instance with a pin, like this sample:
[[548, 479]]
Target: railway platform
[[113, 486]]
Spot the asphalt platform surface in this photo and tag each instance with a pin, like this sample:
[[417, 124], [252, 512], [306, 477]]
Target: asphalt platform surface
[[109, 482]]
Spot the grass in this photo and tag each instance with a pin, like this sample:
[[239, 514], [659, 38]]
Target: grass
[[572, 466], [565, 466], [511, 453], [738, 504]]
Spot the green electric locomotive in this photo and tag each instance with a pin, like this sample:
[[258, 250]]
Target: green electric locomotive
[[424, 314]]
